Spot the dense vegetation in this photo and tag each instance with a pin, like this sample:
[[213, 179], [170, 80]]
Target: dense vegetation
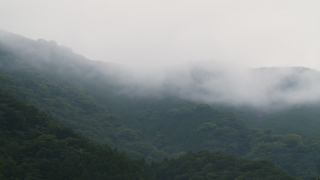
[[206, 166], [31, 147], [81, 94]]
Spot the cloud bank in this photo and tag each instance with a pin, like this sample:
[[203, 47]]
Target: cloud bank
[[222, 83], [212, 82]]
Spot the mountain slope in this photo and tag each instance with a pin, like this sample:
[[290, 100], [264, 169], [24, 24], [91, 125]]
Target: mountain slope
[[106, 103], [204, 165], [31, 147]]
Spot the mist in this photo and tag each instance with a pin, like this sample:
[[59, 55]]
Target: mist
[[212, 82], [216, 82], [253, 33]]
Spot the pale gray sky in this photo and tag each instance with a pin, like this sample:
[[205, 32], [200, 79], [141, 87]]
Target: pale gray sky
[[144, 32]]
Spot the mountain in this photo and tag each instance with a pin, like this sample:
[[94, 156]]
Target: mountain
[[32, 147], [161, 112]]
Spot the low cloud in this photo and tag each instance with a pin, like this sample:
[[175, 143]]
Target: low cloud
[[225, 83], [212, 82]]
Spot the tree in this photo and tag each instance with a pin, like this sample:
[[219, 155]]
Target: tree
[[206, 127], [292, 140], [0, 173]]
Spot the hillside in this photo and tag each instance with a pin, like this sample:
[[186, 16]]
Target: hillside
[[111, 105], [204, 165], [32, 147]]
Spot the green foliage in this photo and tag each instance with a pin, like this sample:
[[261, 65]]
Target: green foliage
[[207, 127], [81, 94], [302, 120], [42, 150], [34, 148], [288, 152], [128, 134], [62, 95], [204, 165], [202, 107], [292, 140], [160, 141]]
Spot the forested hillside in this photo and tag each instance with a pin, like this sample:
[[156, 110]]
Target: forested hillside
[[208, 166], [92, 98], [32, 147]]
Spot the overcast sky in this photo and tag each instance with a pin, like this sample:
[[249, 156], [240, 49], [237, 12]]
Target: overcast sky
[[144, 32]]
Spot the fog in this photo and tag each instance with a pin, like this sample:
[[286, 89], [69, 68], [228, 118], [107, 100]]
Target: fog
[[141, 32], [212, 82], [215, 82], [203, 51]]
